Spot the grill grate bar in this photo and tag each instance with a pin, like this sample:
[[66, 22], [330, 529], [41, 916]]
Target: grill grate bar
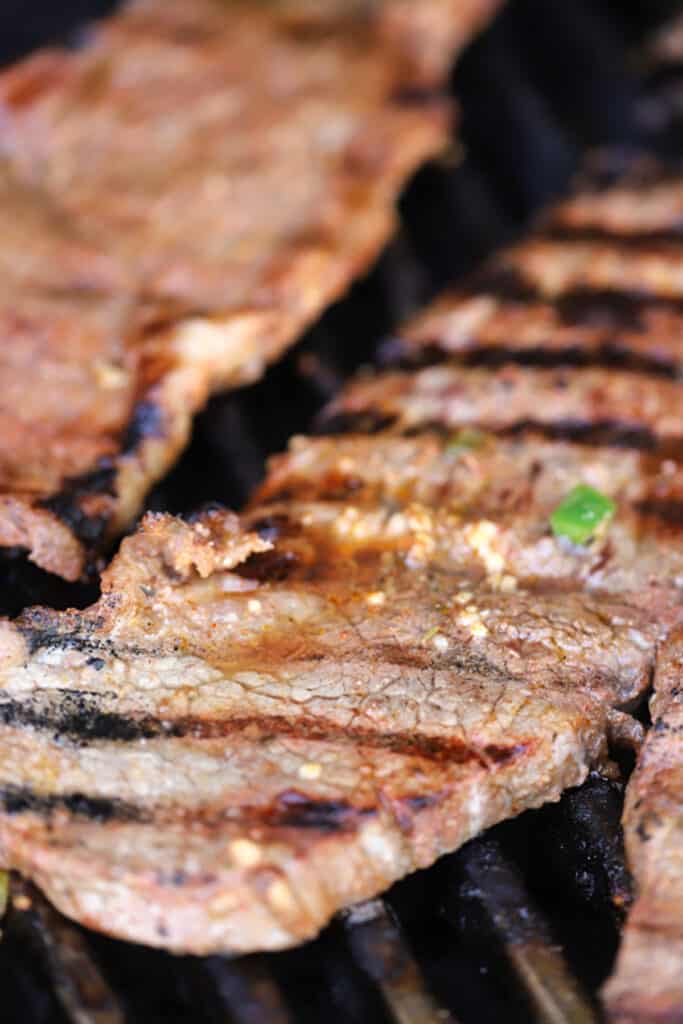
[[491, 880], [380, 950], [244, 991], [81, 989]]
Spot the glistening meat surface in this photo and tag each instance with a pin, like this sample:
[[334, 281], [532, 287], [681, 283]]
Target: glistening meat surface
[[252, 729], [181, 197], [261, 721]]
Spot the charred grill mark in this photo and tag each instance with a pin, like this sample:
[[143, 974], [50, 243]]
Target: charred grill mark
[[613, 354], [293, 809], [598, 433], [665, 239], [605, 433], [499, 753], [668, 510], [68, 507], [78, 717], [39, 638], [612, 310], [24, 800], [580, 306], [39, 630], [611, 307], [367, 421], [290, 809], [147, 421]]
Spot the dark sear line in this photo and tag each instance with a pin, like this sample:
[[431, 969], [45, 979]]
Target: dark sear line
[[609, 354], [614, 311], [37, 628], [290, 809], [78, 717], [666, 510], [664, 239], [24, 800], [92, 725], [578, 305], [68, 504], [602, 433]]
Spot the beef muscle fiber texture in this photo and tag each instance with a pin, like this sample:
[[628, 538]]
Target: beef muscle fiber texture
[[182, 196], [264, 719]]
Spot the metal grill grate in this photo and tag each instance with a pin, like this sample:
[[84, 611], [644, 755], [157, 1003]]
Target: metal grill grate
[[521, 924]]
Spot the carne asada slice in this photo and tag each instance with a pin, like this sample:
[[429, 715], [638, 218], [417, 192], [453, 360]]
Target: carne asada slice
[[182, 197], [255, 726], [647, 985], [555, 401], [600, 281]]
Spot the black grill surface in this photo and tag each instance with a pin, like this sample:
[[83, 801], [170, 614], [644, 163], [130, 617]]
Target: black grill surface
[[522, 924]]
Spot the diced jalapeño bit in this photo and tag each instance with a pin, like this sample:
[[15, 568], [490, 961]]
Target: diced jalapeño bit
[[583, 513]]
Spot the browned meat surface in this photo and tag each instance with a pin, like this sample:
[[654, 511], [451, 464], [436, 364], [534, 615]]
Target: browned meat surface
[[261, 721], [181, 198], [246, 734], [515, 396], [600, 281], [648, 983]]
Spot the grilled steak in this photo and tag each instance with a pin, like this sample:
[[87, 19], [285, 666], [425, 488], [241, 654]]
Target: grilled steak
[[182, 197], [262, 720], [648, 982], [256, 726]]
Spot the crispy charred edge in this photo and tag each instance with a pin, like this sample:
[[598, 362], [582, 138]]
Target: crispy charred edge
[[42, 629], [78, 715], [67, 504], [147, 421]]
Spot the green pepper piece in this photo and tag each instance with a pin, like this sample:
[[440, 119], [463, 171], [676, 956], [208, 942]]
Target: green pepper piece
[[582, 514]]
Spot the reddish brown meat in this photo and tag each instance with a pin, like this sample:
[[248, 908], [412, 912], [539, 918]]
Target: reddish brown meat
[[181, 198], [647, 987], [244, 735], [262, 721]]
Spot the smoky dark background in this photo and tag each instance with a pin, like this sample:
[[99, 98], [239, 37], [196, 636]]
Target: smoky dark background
[[548, 83]]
